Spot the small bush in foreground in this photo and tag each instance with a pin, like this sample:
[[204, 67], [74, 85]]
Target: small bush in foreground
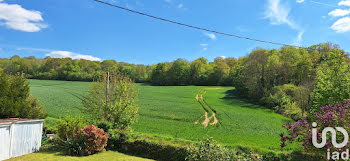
[[117, 138], [68, 127], [210, 150], [95, 139], [85, 142]]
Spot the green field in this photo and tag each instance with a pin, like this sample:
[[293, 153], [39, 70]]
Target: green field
[[170, 112]]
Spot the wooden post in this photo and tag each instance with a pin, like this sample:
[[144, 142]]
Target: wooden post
[[107, 88]]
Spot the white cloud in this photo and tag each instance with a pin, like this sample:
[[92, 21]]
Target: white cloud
[[342, 25], [299, 39], [68, 54], [339, 13], [300, 1], [321, 3], [180, 5], [210, 35], [205, 46], [223, 57], [34, 49], [15, 17], [344, 3], [278, 14]]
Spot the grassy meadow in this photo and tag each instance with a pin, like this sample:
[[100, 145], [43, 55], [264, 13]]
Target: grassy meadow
[[170, 113]]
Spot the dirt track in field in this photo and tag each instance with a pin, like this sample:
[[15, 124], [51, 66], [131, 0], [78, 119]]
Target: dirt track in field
[[209, 120]]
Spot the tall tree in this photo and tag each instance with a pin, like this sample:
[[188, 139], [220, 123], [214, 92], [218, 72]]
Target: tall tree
[[113, 100], [333, 80], [15, 99], [179, 72]]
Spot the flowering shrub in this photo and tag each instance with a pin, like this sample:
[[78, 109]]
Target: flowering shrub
[[86, 141], [95, 139], [329, 116]]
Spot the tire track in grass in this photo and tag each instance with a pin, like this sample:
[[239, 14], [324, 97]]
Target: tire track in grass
[[206, 122], [214, 112]]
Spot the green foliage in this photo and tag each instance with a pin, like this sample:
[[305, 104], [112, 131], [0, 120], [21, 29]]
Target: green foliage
[[288, 99], [68, 127], [157, 151], [178, 73], [119, 109], [68, 69], [73, 146], [197, 72], [15, 99], [208, 150], [159, 76], [117, 138], [319, 74], [49, 126], [333, 80]]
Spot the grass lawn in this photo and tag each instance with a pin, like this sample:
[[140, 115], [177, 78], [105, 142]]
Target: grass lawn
[[56, 156], [170, 113]]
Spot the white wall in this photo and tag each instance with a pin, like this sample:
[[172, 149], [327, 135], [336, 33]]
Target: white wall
[[20, 138], [4, 141]]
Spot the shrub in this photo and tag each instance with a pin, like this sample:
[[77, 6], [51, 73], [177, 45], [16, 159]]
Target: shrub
[[33, 109], [95, 139], [68, 127], [251, 156], [329, 116], [106, 126], [49, 126], [86, 141], [293, 111], [117, 138], [288, 99], [74, 146], [153, 150], [210, 150]]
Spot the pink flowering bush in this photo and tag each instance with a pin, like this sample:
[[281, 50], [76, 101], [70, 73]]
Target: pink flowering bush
[[86, 141], [95, 139], [329, 116]]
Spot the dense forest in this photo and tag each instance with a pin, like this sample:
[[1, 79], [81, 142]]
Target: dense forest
[[293, 81]]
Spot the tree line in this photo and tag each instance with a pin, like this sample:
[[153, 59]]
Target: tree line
[[292, 81], [71, 70]]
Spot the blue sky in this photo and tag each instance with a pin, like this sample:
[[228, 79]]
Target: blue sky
[[90, 30]]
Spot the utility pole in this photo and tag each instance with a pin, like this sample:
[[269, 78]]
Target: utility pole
[[107, 88]]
